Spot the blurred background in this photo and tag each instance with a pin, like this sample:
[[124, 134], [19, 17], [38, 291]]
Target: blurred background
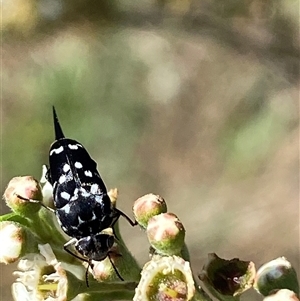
[[194, 100]]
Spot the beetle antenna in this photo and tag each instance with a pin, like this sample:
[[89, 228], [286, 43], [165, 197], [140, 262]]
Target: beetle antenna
[[87, 272], [113, 265]]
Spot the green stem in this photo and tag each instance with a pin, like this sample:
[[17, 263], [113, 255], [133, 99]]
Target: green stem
[[201, 295], [42, 223], [129, 267], [109, 296], [76, 287], [95, 286]]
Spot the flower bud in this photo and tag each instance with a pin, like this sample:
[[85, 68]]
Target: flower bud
[[227, 277], [26, 187], [164, 279], [274, 275], [113, 195], [103, 270], [148, 206], [166, 234], [281, 295], [16, 241], [47, 192], [47, 189]]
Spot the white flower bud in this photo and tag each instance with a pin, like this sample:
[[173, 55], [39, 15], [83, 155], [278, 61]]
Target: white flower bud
[[12, 238]]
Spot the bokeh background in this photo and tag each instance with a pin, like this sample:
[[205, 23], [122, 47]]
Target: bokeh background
[[194, 100]]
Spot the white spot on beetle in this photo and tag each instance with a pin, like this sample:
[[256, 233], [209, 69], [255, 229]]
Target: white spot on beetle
[[93, 217], [62, 179], [78, 165], [88, 173], [73, 146], [65, 195], [94, 188], [80, 221], [74, 198], [66, 167], [66, 209], [84, 193], [56, 150], [98, 199]]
